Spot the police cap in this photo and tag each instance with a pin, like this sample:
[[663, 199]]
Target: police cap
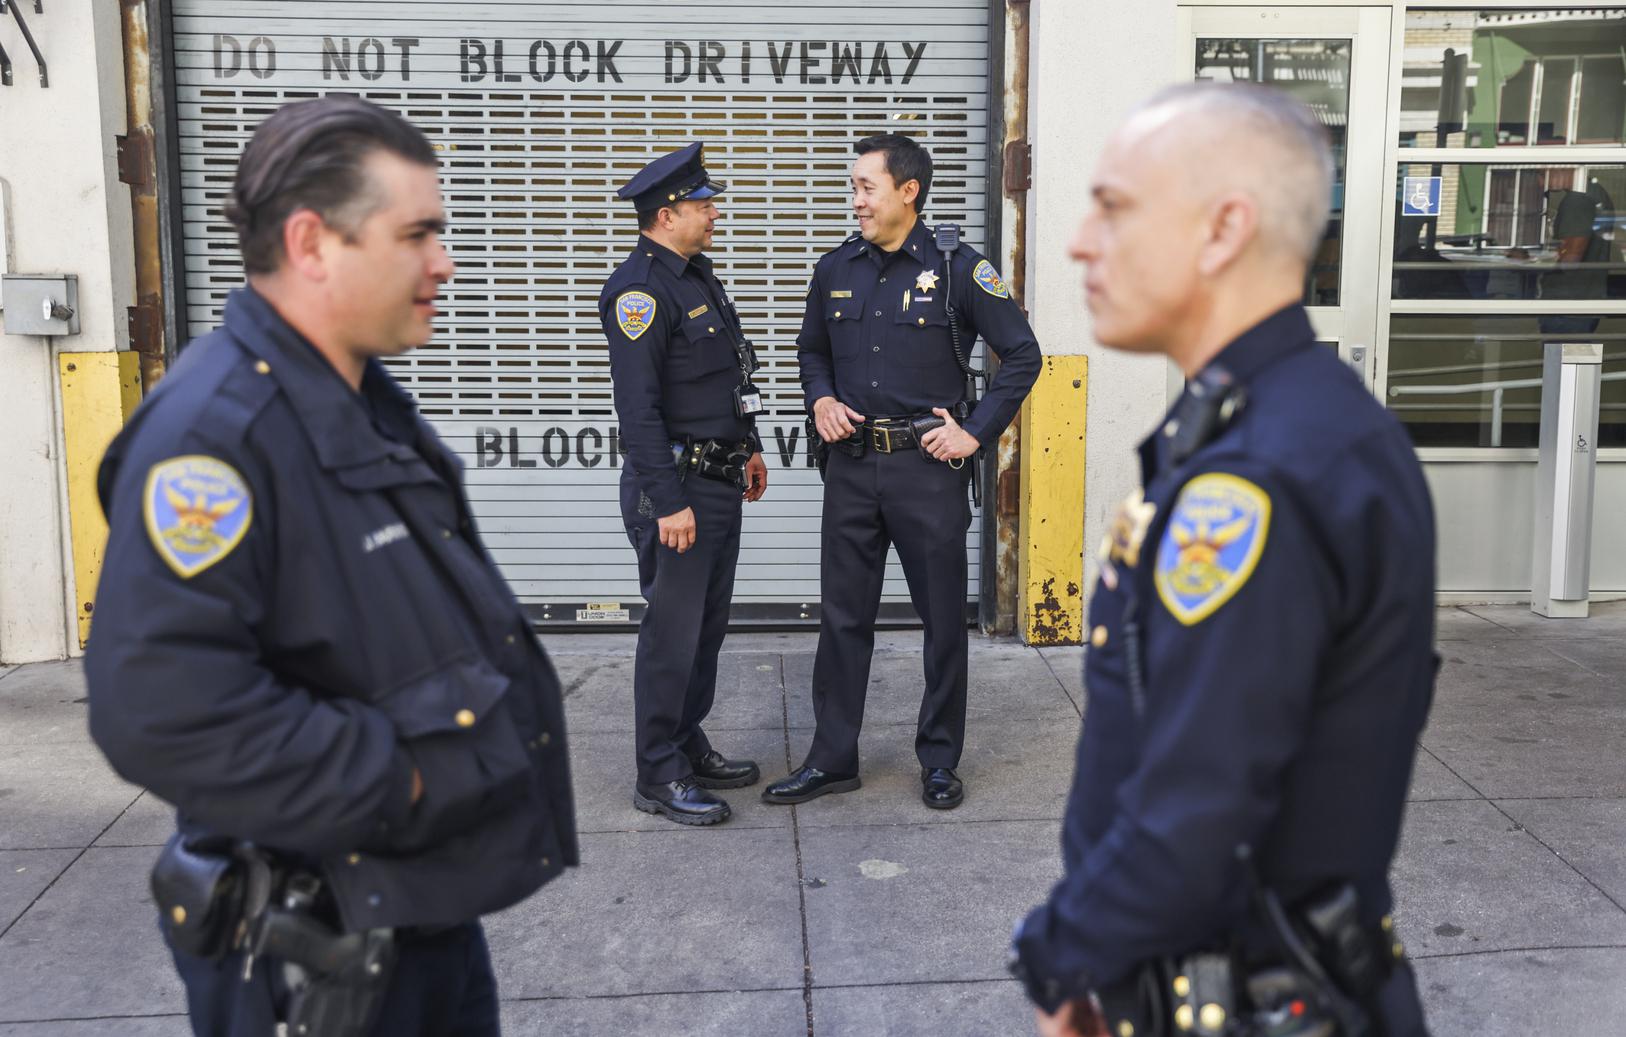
[[670, 179]]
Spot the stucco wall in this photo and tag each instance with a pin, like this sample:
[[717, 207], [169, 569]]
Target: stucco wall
[[66, 213], [1092, 61]]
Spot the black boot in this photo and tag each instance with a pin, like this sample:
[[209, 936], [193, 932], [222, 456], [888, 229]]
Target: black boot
[[682, 801], [808, 783], [714, 771], [940, 788]]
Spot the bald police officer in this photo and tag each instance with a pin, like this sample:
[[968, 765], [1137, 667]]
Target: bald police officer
[[681, 366], [884, 351], [1261, 650]]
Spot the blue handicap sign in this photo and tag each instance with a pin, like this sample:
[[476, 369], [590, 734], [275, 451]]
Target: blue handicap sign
[[1420, 196]]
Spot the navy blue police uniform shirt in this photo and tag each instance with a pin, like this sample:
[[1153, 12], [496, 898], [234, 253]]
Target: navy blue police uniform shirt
[[296, 612], [875, 334], [672, 332], [1282, 580]]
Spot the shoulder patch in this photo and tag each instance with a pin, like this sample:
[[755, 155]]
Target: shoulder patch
[[197, 510], [634, 311], [987, 279], [1214, 538]]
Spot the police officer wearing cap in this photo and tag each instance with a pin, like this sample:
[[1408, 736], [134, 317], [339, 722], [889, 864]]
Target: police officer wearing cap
[[1261, 650], [681, 366], [885, 351], [301, 641]]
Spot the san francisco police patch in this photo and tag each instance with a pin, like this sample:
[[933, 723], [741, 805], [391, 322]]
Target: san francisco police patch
[[1211, 545], [197, 509], [988, 279], [635, 311]]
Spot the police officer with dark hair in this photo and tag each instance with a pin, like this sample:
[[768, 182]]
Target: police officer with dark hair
[[885, 353], [1261, 647], [681, 366], [301, 640]]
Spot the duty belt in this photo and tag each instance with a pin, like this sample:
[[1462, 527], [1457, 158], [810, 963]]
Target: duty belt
[[715, 459]]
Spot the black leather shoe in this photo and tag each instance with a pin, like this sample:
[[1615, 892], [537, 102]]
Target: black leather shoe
[[715, 771], [682, 801], [808, 783], [940, 788]]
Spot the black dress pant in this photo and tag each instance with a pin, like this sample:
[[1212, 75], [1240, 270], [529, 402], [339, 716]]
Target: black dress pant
[[675, 675], [442, 987], [921, 508]]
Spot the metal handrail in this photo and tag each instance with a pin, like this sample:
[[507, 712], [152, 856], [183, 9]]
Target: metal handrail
[[1496, 389], [28, 37]]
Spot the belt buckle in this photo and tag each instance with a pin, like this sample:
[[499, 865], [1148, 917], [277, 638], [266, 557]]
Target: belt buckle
[[882, 431]]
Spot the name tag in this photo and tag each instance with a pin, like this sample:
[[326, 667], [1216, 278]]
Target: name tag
[[384, 537], [697, 312], [841, 295]]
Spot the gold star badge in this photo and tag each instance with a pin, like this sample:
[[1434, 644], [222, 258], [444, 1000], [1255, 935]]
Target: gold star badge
[[926, 281], [1128, 530]]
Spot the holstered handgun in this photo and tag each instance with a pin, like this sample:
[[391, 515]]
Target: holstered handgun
[[218, 896], [817, 448], [199, 888]]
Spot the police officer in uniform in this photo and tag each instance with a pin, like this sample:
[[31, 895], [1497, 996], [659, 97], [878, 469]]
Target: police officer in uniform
[[301, 640], [1261, 648], [682, 367], [884, 351]]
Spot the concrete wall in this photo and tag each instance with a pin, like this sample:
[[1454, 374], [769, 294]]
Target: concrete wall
[[66, 213], [1092, 60]]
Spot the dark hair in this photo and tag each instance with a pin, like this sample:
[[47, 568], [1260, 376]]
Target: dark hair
[[647, 218], [310, 155], [905, 161]]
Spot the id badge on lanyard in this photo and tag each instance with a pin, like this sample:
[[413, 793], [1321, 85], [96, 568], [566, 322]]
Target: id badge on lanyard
[[747, 400]]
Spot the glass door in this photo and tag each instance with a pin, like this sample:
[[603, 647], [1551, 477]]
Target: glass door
[[1334, 60]]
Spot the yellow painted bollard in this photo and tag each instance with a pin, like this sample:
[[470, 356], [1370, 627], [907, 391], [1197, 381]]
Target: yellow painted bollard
[[1050, 556]]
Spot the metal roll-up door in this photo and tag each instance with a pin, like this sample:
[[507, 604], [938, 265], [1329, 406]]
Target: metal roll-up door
[[540, 111]]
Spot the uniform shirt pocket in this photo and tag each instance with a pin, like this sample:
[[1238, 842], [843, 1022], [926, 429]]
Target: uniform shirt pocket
[[704, 348], [922, 336], [465, 744], [842, 321]]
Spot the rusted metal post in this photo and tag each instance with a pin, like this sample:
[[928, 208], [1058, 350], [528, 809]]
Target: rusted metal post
[[138, 167], [1017, 178]]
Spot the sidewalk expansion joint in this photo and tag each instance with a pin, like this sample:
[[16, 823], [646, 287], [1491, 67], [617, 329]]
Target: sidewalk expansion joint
[[1077, 708], [1518, 950], [1515, 822], [65, 869], [631, 994], [801, 875]]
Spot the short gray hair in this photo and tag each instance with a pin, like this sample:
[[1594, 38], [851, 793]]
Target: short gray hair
[[1294, 212]]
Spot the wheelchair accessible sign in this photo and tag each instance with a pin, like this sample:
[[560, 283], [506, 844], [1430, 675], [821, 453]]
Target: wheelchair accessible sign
[[1420, 196]]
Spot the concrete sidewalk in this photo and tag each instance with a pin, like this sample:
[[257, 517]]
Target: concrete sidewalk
[[868, 914]]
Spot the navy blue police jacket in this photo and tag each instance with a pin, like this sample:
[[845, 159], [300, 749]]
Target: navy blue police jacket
[[1280, 581], [296, 611], [672, 332], [875, 334]]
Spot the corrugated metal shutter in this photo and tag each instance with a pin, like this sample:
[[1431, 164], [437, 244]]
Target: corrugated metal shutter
[[541, 110]]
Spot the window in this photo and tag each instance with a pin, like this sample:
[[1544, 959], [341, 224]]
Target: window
[[1471, 380], [1510, 77], [1497, 256], [1512, 232]]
